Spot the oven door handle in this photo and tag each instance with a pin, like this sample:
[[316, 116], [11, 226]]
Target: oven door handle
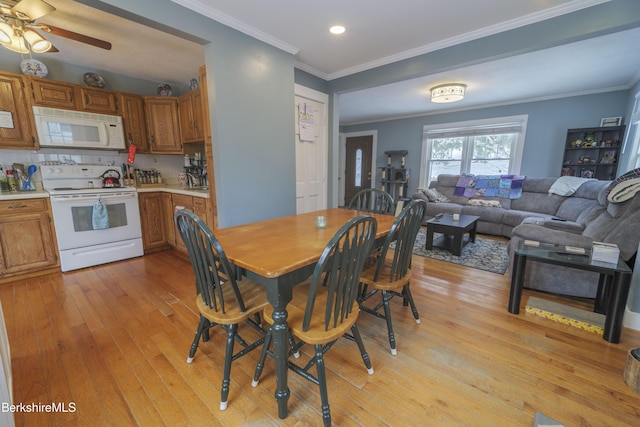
[[85, 197]]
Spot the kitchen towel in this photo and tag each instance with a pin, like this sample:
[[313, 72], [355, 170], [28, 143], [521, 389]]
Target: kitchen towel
[[100, 217]]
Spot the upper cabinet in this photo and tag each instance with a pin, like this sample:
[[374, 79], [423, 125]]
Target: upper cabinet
[[163, 124], [16, 120], [96, 100], [191, 117], [49, 93], [135, 121]]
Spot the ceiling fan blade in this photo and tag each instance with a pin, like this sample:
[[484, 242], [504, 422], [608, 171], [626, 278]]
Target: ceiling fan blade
[[56, 31], [32, 9]]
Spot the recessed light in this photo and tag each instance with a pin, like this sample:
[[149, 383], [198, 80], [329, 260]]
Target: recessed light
[[337, 29]]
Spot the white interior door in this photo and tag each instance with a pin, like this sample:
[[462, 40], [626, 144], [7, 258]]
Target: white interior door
[[311, 149]]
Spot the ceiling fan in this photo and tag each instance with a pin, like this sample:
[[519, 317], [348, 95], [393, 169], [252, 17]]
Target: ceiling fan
[[18, 28]]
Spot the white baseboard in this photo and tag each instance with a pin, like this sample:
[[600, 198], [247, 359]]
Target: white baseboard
[[631, 319]]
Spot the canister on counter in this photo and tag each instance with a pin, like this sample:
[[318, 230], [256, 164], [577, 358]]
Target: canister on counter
[[11, 180]]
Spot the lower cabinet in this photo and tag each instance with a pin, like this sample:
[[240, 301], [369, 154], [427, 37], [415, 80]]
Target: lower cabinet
[[197, 205], [28, 244], [156, 214], [152, 220]]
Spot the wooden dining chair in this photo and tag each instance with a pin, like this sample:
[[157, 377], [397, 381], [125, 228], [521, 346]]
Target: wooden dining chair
[[221, 298], [390, 274], [326, 308], [373, 200]]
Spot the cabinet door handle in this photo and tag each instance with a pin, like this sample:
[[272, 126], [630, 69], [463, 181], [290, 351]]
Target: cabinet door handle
[[18, 206]]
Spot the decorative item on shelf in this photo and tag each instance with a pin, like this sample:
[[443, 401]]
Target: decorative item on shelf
[[164, 89], [93, 80], [610, 121], [33, 67], [586, 173], [194, 84]]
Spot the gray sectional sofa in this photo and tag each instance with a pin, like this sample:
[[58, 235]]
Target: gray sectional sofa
[[578, 219]]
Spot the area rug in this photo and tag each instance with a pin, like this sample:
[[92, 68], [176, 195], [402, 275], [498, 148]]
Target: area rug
[[542, 420], [485, 254], [583, 319]]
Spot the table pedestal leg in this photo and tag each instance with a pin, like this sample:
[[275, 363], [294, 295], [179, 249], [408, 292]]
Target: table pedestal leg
[[279, 296]]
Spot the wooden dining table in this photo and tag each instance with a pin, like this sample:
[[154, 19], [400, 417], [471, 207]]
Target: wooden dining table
[[280, 253]]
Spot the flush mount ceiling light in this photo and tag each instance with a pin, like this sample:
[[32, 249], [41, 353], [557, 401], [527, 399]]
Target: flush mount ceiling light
[[337, 29], [450, 92]]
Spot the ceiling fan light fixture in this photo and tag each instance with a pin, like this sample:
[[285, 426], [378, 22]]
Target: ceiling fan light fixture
[[450, 92], [37, 43], [17, 45], [5, 33]]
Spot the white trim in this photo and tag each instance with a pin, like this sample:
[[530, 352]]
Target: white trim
[[473, 35], [210, 12], [229, 21], [631, 319]]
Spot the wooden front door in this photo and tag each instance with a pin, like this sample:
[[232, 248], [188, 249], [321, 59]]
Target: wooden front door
[[358, 156]]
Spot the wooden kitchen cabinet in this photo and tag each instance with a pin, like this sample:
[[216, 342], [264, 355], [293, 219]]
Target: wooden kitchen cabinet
[[197, 205], [134, 121], [96, 100], [191, 117], [28, 244], [163, 124], [50, 93], [152, 221], [14, 102]]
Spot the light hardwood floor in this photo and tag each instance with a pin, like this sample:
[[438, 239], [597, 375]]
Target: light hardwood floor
[[114, 339]]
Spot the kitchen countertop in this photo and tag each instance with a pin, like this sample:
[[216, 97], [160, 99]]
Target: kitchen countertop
[[14, 195], [177, 189], [38, 194]]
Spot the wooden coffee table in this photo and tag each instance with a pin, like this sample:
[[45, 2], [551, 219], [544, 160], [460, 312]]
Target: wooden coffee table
[[454, 233]]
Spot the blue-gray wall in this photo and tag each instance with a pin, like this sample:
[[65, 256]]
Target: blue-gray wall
[[547, 126], [251, 96]]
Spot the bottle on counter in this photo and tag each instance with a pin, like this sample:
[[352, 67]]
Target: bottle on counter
[[4, 181], [11, 179]]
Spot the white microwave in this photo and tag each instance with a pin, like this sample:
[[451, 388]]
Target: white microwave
[[78, 129]]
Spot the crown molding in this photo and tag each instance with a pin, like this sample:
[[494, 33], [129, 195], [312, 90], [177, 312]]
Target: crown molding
[[472, 35], [229, 21]]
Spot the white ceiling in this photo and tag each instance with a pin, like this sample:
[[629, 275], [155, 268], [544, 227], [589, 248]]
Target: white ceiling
[[378, 33]]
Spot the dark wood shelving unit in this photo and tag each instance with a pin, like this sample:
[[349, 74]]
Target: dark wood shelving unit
[[394, 177], [592, 152]]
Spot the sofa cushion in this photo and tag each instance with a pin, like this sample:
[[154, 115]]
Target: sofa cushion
[[626, 234], [541, 202], [514, 217], [485, 213], [572, 207]]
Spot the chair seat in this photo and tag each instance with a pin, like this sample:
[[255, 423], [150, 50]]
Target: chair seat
[[384, 281], [316, 333], [255, 300]]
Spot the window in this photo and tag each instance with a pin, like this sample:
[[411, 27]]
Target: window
[[633, 138], [480, 147]]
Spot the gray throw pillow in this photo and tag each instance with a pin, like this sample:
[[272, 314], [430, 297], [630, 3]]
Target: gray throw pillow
[[435, 196]]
